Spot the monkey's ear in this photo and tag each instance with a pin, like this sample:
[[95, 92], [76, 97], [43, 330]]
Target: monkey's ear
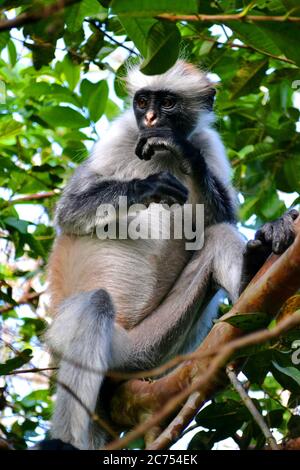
[[210, 98]]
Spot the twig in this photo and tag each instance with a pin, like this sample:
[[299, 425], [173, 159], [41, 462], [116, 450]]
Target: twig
[[24, 300], [33, 197], [32, 370], [238, 386], [232, 45], [143, 374], [112, 39], [34, 16], [225, 18]]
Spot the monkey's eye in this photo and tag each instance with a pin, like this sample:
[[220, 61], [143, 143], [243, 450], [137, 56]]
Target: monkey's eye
[[142, 102], [168, 102]]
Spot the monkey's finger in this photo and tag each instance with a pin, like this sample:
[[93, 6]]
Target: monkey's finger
[[256, 248], [265, 234], [139, 147], [186, 167], [166, 183], [167, 178], [152, 146], [176, 188], [284, 235], [166, 190], [253, 245]]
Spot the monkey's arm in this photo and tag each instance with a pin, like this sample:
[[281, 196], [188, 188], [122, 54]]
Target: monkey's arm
[[77, 209]]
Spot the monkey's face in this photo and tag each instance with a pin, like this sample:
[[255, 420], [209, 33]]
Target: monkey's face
[[162, 109]]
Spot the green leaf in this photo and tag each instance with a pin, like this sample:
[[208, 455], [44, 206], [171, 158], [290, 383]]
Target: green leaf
[[93, 45], [62, 116], [163, 48], [37, 89], [252, 35], [257, 366], [294, 426], [35, 398], [71, 72], [42, 54], [225, 417], [249, 321], [248, 208], [76, 151], [112, 110], [105, 3], [94, 97], [87, 88], [146, 8], [98, 100], [291, 170], [137, 444], [138, 30], [15, 363], [274, 418], [4, 39], [9, 128], [12, 53], [203, 440], [292, 6], [283, 35], [20, 225], [271, 206], [248, 78], [291, 372], [81, 10]]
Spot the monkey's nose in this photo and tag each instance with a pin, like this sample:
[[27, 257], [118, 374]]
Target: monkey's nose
[[150, 119]]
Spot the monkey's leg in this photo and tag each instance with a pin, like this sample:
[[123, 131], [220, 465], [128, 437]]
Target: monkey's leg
[[81, 335]]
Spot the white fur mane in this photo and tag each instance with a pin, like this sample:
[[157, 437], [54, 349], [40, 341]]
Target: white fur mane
[[182, 78]]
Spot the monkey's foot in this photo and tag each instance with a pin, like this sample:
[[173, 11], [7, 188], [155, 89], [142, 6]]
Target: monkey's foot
[[279, 234], [55, 444]]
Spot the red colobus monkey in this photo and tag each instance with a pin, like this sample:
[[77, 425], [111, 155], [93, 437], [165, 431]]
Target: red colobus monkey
[[129, 304]]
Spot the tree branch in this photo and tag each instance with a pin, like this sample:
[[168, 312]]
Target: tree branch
[[238, 386], [224, 18], [33, 197], [24, 300], [97, 25], [34, 16], [197, 391], [31, 371], [232, 45]]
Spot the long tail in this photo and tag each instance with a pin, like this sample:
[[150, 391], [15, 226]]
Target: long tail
[[81, 335]]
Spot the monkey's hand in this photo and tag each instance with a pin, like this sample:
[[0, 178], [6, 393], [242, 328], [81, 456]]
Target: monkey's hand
[[160, 188], [152, 140], [279, 234]]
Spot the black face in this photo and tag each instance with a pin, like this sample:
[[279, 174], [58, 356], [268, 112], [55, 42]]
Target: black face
[[162, 109]]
